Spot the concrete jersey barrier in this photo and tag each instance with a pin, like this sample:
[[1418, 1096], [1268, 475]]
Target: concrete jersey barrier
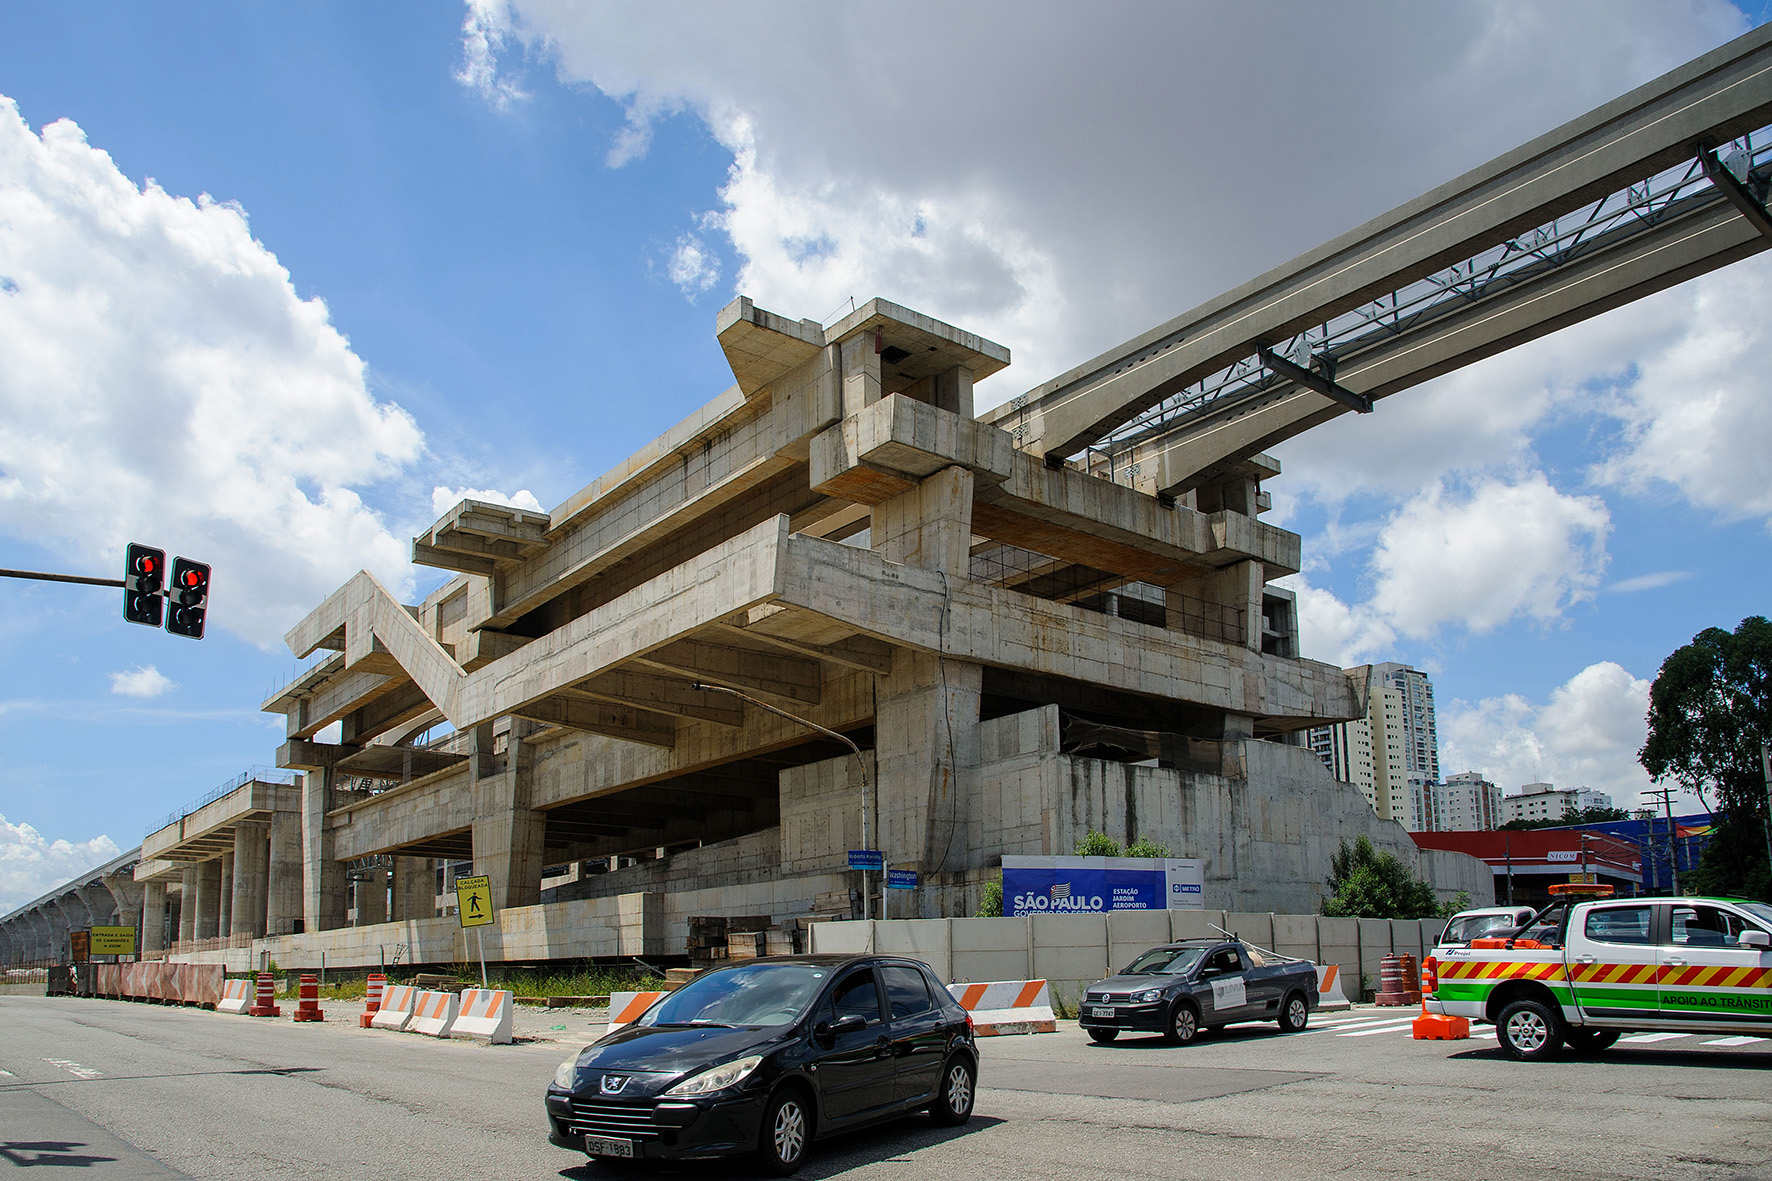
[[485, 1016], [625, 1007], [236, 997], [1007, 1006], [1329, 994], [397, 1003], [435, 1013]]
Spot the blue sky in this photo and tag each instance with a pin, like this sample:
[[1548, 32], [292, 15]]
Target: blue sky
[[481, 248]]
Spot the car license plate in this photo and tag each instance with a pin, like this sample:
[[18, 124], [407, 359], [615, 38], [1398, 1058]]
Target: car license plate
[[608, 1146], [1101, 1010]]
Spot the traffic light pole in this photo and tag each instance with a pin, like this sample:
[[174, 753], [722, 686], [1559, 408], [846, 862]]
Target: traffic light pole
[[79, 578]]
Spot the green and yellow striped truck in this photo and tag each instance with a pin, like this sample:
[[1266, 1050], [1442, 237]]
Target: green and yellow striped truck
[[1695, 965]]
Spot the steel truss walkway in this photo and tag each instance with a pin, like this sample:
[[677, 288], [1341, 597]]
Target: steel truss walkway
[[1656, 187]]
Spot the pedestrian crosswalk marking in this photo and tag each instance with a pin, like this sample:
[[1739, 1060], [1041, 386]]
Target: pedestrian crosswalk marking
[[1653, 1037], [1734, 1041]]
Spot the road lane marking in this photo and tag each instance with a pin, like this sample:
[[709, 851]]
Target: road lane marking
[[1653, 1037], [7, 1074], [74, 1068], [1722, 1041], [1395, 1027], [1342, 1028]]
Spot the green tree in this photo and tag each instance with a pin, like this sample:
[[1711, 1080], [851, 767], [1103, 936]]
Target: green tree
[[1367, 884], [1098, 844], [1710, 708], [1145, 847], [1592, 814], [991, 905]]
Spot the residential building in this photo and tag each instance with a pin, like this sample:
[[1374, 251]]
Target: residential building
[[1392, 754], [1466, 802], [1543, 801]]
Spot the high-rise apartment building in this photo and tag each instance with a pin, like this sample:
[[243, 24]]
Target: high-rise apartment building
[[1467, 802], [1392, 754]]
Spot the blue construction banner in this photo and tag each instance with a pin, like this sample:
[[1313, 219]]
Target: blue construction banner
[[1092, 885]]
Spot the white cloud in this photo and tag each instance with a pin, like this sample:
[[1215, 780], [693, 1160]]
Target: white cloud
[[1061, 177], [141, 681], [1335, 632], [693, 266], [482, 39], [31, 866], [1699, 412], [443, 499], [1586, 735], [164, 383], [1482, 557], [1643, 582]]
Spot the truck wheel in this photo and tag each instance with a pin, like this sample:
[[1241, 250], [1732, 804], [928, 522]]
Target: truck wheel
[[1102, 1037], [1589, 1041], [1295, 1014], [1184, 1024], [1530, 1030]]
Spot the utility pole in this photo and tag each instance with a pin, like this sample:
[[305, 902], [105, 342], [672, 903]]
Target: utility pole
[[1665, 795], [1766, 771]]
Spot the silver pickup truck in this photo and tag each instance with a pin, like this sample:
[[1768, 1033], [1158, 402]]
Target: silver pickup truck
[[1181, 988]]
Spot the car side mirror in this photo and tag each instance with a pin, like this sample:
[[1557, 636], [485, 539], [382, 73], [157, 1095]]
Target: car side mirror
[[1759, 939], [826, 1031]]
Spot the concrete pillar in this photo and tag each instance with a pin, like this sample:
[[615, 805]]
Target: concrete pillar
[[128, 893], [101, 907], [187, 904], [246, 910], [928, 706], [324, 900], [369, 897], [6, 945], [57, 949], [208, 908], [224, 919], [415, 888], [284, 874], [507, 833], [1222, 605], [153, 932]]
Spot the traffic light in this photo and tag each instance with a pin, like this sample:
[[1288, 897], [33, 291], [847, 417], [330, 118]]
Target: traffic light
[[144, 577], [188, 598]]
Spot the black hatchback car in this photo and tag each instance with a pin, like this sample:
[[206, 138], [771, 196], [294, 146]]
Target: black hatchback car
[[766, 1056]]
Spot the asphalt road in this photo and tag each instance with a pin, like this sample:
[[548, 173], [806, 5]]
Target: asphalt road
[[139, 1091]]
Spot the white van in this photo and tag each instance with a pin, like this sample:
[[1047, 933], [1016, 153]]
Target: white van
[[1467, 925]]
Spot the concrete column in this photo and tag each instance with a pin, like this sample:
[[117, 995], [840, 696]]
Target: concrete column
[[370, 898], [128, 893], [101, 907], [187, 904], [507, 833], [224, 919], [246, 910], [57, 950], [284, 875], [1222, 605], [153, 916], [209, 882], [928, 706], [6, 944], [323, 877], [415, 888]]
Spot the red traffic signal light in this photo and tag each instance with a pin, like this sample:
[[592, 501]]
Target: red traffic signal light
[[144, 573], [187, 598]]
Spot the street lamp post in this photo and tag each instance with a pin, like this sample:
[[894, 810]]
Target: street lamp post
[[867, 800]]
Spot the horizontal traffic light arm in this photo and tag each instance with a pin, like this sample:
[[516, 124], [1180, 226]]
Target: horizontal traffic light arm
[[80, 578]]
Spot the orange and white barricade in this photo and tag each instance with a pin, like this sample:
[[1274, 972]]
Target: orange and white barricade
[[373, 986], [1007, 1006], [435, 1013], [625, 1007], [236, 996], [485, 1016], [1329, 994], [397, 1003]]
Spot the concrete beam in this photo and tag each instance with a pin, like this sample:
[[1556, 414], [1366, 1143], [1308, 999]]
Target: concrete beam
[[777, 675], [863, 653], [885, 448], [662, 694], [602, 717]]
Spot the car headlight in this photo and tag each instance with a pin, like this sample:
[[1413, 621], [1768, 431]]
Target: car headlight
[[1148, 995], [717, 1078], [567, 1075]]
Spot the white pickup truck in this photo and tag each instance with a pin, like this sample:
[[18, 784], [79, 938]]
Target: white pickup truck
[[1598, 969]]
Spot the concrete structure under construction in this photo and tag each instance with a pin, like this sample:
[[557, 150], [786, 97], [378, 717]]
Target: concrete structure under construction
[[1021, 651]]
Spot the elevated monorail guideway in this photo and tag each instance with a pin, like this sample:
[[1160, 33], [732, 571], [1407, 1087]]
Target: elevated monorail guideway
[[1665, 183]]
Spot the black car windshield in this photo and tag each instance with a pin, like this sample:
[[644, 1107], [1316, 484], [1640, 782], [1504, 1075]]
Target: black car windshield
[[1165, 961], [756, 994]]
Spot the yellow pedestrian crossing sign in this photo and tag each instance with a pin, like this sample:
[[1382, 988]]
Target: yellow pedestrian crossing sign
[[473, 901]]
